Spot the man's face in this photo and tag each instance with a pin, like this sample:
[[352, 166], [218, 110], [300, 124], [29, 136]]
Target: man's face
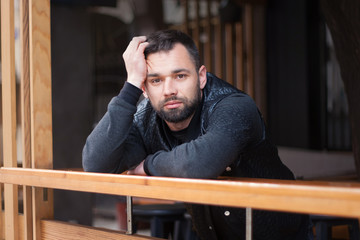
[[173, 85]]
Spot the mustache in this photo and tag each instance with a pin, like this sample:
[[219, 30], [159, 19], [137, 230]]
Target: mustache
[[172, 98]]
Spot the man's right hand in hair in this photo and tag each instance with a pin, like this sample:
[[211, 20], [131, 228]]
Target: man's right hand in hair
[[135, 61]]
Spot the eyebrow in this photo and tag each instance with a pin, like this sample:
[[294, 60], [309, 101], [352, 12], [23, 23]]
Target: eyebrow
[[173, 72]]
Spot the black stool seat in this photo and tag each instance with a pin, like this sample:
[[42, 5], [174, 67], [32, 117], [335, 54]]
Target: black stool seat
[[159, 209], [164, 219]]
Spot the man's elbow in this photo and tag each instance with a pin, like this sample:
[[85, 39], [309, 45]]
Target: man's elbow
[[88, 162]]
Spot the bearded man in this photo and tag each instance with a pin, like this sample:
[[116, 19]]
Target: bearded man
[[191, 124]]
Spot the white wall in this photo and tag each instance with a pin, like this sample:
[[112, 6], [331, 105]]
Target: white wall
[[309, 164]]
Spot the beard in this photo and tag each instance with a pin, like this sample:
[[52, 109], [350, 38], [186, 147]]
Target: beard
[[180, 114]]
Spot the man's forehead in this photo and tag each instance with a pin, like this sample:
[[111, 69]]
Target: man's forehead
[[174, 71]]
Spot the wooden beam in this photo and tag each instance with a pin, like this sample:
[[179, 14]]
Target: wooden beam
[[9, 114], [208, 56], [338, 199], [55, 230], [239, 55], [8, 83], [251, 2], [25, 114], [218, 49], [229, 53], [2, 222], [249, 42], [41, 105]]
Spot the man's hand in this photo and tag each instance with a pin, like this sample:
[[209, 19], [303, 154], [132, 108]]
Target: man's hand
[[135, 61], [139, 170]]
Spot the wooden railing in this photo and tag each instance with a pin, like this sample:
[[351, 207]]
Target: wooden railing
[[327, 198], [37, 180]]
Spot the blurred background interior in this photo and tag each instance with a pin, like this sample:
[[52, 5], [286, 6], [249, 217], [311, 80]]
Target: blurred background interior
[[280, 52]]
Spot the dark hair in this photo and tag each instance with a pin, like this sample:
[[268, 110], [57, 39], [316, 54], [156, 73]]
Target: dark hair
[[165, 40]]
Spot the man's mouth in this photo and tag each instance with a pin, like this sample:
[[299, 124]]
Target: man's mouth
[[172, 104]]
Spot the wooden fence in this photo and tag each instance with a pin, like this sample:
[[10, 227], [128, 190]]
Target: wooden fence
[[35, 179]]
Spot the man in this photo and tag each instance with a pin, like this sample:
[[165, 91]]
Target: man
[[190, 124]]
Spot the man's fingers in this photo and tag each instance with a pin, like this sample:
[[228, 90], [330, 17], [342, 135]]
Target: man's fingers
[[142, 47], [135, 42]]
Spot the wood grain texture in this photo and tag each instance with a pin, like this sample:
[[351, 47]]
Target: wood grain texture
[[55, 230], [25, 115], [239, 55], [41, 106], [249, 48], [9, 115], [2, 222], [338, 199], [40, 83], [229, 53]]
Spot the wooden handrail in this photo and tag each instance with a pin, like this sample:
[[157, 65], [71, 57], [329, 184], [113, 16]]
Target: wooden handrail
[[338, 199]]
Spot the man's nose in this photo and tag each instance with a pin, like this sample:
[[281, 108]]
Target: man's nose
[[170, 87]]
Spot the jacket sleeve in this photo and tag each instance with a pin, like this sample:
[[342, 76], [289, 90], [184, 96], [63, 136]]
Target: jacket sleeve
[[114, 145], [234, 125]]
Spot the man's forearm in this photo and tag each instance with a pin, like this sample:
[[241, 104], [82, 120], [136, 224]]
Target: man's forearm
[[102, 150]]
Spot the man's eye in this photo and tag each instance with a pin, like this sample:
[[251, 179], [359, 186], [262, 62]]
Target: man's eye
[[180, 76], [155, 80]]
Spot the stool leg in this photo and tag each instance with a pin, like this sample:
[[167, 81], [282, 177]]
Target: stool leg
[[157, 228], [322, 231], [160, 228], [354, 230], [177, 230]]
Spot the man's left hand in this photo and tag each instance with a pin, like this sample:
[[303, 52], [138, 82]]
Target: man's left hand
[[139, 170]]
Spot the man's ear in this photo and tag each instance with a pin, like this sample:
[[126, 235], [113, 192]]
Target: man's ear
[[144, 91], [202, 76]]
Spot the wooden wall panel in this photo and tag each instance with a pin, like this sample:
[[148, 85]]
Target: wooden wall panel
[[226, 48], [249, 44]]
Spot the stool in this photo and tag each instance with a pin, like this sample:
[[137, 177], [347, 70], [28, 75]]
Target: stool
[[164, 219], [323, 226]]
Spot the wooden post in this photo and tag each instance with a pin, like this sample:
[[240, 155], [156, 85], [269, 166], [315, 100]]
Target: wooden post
[[41, 105], [9, 115], [218, 53], [229, 53], [249, 39], [25, 114], [239, 55], [208, 56]]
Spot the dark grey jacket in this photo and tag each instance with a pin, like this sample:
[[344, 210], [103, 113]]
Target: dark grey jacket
[[227, 136]]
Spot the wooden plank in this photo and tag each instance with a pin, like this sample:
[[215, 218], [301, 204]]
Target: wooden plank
[[2, 222], [56, 230], [8, 83], [208, 56], [25, 83], [196, 29], [41, 108], [338, 199], [229, 53], [40, 77], [249, 42], [252, 2], [186, 16], [218, 51], [9, 114], [239, 56], [25, 115]]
